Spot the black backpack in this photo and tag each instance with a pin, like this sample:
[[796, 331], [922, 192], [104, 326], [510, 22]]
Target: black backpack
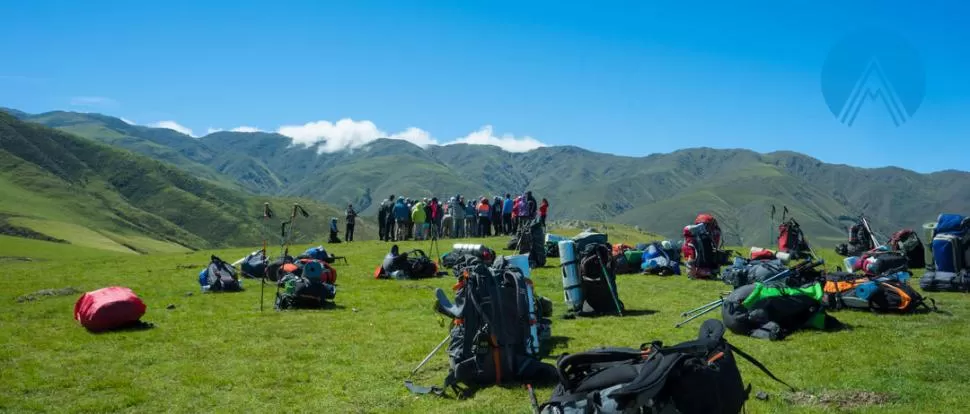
[[908, 243], [420, 266], [749, 271], [598, 280], [773, 311], [491, 339], [531, 241], [221, 276], [254, 265], [303, 293], [552, 249], [695, 377]]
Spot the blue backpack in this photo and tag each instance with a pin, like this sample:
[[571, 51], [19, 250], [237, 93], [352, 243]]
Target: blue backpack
[[317, 253], [951, 243]]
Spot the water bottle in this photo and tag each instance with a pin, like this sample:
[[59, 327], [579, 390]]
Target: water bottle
[[850, 262]]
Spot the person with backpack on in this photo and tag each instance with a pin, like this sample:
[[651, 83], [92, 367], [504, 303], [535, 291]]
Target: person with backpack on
[[507, 214], [497, 215], [543, 211], [471, 218], [484, 211], [351, 221], [418, 216], [517, 214], [532, 206], [384, 217], [401, 216]]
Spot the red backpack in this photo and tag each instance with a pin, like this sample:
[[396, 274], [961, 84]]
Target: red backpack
[[702, 241], [108, 308]]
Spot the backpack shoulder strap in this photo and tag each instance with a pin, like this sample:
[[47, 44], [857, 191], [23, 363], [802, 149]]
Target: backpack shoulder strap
[[760, 366]]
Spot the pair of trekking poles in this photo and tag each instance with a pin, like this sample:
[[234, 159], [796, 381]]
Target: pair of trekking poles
[[286, 233]]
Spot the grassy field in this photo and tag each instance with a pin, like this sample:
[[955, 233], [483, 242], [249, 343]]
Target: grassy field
[[219, 353]]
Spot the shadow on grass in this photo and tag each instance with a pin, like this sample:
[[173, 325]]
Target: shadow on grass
[[131, 327], [626, 314]]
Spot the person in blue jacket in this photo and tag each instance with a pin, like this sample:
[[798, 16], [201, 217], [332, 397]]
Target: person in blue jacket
[[401, 215]]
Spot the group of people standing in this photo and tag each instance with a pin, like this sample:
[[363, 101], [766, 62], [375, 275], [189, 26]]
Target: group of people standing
[[420, 219]]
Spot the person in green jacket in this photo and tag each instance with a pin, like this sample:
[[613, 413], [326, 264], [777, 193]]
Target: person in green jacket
[[418, 216]]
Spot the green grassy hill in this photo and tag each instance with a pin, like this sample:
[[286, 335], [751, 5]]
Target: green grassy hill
[[662, 192], [90, 194], [219, 353]]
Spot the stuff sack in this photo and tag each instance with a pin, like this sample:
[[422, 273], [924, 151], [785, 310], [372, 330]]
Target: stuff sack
[[108, 308], [937, 281], [908, 244], [219, 276], [254, 265], [791, 240], [597, 274], [694, 377], [888, 293], [769, 311], [491, 340]]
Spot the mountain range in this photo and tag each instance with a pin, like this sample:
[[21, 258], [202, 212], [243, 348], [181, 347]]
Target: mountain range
[[660, 192], [58, 186]]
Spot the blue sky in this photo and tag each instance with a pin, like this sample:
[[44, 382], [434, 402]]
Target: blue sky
[[629, 78]]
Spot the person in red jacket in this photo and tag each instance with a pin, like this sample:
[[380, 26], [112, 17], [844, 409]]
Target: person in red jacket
[[543, 210]]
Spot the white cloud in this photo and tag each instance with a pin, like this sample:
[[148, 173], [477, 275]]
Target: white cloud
[[93, 101], [485, 136], [350, 134], [213, 130], [128, 121], [173, 126], [245, 129]]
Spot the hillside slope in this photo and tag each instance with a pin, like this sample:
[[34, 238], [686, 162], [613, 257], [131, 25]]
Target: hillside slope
[[90, 194], [660, 192]]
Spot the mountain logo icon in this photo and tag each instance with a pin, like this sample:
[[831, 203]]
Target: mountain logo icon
[[873, 67]]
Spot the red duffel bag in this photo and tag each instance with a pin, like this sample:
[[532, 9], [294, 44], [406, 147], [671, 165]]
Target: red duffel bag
[[108, 308]]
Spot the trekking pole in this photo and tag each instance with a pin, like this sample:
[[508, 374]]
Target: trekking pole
[[609, 284], [771, 229], [700, 308], [267, 214], [289, 234], [532, 398], [433, 351], [865, 222]]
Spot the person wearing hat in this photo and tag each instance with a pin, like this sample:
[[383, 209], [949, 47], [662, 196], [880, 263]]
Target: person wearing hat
[[458, 217], [471, 218]]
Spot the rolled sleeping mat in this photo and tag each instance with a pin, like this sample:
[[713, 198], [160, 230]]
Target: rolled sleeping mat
[[555, 238], [571, 286], [522, 262]]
